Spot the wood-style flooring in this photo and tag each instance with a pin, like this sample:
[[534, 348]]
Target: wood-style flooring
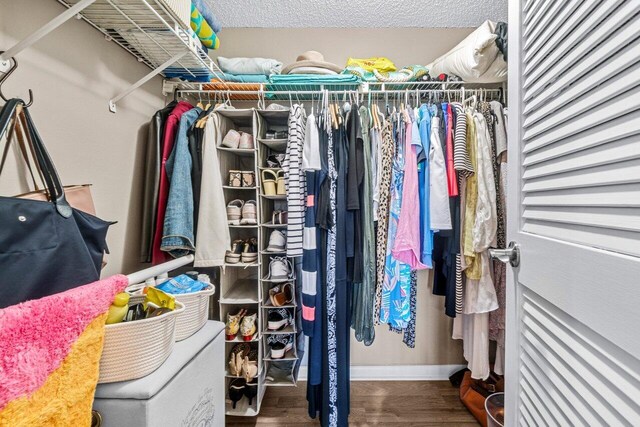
[[383, 403]]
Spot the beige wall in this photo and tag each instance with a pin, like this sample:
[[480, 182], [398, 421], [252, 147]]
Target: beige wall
[[404, 46], [73, 73]]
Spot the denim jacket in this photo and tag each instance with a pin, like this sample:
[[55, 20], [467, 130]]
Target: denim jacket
[[177, 237]]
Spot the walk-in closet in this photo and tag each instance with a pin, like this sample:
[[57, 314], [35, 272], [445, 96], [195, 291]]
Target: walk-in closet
[[318, 213]]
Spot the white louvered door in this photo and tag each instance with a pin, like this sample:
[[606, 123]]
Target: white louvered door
[[573, 320]]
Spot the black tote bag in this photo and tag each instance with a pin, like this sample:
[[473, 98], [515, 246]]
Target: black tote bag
[[45, 247]]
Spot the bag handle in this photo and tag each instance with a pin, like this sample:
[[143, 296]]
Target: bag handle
[[43, 160], [18, 131]]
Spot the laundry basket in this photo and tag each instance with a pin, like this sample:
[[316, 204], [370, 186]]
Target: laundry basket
[[137, 348], [196, 312]]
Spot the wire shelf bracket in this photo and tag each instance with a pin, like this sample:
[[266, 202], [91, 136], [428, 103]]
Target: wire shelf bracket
[[152, 74], [5, 58]]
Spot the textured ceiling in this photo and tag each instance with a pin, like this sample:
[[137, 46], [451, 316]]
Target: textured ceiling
[[360, 13]]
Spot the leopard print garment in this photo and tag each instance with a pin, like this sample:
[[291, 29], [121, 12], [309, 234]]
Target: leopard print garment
[[383, 212]]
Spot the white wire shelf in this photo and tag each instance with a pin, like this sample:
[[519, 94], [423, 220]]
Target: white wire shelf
[[152, 33]]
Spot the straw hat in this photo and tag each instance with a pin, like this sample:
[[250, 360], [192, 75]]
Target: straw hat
[[311, 58]]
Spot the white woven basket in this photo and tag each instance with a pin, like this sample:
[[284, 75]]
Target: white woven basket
[[135, 349], [196, 312]]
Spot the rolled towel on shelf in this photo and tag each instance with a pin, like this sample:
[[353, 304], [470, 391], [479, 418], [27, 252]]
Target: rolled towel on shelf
[[204, 6], [265, 66], [203, 30]]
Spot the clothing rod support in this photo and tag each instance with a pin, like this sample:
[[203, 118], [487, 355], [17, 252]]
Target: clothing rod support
[[40, 33], [156, 270], [332, 92], [136, 85]]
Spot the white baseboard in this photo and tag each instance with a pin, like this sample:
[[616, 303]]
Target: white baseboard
[[397, 372]]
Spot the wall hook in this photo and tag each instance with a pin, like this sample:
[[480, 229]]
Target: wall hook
[[6, 76]]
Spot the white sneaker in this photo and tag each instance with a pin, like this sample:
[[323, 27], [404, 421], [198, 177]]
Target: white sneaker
[[280, 269], [234, 211], [277, 242]]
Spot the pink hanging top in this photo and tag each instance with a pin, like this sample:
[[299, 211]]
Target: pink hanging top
[[407, 244]]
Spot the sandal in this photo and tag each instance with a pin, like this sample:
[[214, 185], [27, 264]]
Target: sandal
[[233, 324], [234, 255], [250, 251], [235, 178], [281, 186], [250, 365], [249, 213], [281, 295], [236, 390], [269, 178], [248, 327], [234, 211], [248, 179], [236, 358]]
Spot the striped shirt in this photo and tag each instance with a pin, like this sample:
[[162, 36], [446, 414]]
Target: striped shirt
[[461, 161], [295, 181]]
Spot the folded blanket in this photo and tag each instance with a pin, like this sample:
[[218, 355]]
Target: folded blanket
[[244, 78], [314, 78], [263, 66], [49, 354], [204, 6], [410, 73], [203, 30]]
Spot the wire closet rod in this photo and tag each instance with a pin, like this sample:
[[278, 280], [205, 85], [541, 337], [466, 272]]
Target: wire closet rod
[[339, 91]]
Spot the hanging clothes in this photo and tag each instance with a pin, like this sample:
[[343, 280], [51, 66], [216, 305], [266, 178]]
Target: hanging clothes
[[311, 166], [497, 317], [295, 180], [406, 247], [363, 293], [170, 131], [178, 237], [213, 236], [396, 291], [153, 167], [385, 176]]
